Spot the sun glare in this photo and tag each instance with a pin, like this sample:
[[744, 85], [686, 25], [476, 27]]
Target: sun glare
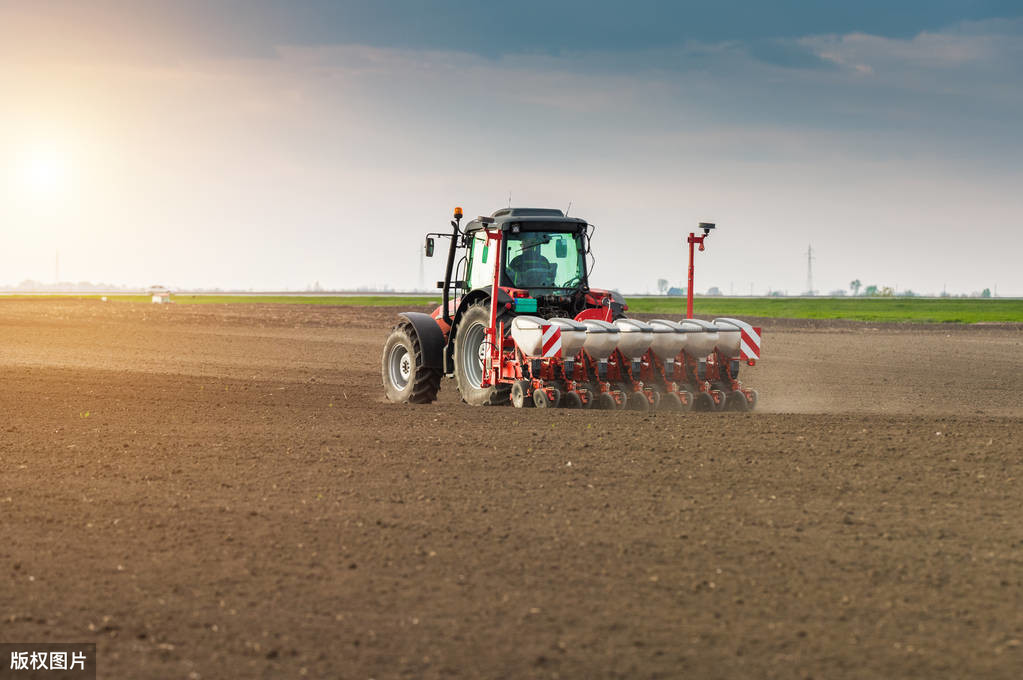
[[45, 170]]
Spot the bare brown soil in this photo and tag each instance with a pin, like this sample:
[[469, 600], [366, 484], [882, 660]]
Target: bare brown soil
[[221, 491]]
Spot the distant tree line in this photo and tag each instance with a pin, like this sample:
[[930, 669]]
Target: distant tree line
[[856, 286], [70, 286], [887, 291]]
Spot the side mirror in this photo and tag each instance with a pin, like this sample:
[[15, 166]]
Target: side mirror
[[561, 249], [429, 246]]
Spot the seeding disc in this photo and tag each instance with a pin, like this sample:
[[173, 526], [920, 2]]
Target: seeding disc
[[655, 399], [703, 402], [736, 401], [671, 402], [637, 402], [541, 400], [520, 394], [571, 400]]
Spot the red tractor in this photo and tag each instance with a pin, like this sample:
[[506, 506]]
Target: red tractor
[[547, 339]]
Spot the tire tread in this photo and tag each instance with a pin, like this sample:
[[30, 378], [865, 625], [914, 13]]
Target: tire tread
[[425, 381]]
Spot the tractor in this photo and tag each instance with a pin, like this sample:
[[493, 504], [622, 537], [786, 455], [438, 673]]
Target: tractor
[[520, 324]]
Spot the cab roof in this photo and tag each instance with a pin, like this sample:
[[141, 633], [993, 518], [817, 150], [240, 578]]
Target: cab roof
[[528, 219]]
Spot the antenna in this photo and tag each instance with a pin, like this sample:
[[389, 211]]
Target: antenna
[[509, 198], [809, 269], [568, 208]]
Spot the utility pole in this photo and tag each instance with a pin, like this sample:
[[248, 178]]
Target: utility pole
[[422, 260], [809, 270]]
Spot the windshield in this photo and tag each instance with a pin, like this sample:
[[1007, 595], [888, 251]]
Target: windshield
[[540, 259]]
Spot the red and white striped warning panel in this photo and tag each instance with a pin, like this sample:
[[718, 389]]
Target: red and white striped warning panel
[[551, 341], [749, 343], [749, 339]]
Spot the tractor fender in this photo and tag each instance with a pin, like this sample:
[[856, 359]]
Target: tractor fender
[[431, 338], [478, 294]]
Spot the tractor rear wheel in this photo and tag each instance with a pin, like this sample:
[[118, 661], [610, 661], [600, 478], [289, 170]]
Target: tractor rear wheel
[[406, 379], [470, 353]]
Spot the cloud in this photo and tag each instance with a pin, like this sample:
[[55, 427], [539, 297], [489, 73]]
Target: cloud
[[991, 46], [311, 162]]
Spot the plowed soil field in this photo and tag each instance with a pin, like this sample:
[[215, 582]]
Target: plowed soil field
[[222, 492]]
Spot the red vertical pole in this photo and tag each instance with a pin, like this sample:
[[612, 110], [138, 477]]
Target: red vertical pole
[[689, 289], [492, 331]]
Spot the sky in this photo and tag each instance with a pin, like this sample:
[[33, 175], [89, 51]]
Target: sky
[[271, 145]]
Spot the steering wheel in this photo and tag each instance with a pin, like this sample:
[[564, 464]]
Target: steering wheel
[[532, 277], [572, 282]]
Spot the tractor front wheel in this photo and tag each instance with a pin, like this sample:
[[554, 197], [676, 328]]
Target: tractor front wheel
[[406, 378]]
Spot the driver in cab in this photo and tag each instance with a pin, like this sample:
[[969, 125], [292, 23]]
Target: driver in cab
[[530, 269]]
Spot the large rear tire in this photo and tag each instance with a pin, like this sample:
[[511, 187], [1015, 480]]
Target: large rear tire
[[405, 378], [469, 353]]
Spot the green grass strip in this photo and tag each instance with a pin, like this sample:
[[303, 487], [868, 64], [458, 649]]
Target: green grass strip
[[922, 310]]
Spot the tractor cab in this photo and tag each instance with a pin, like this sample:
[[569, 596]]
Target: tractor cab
[[544, 251]]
